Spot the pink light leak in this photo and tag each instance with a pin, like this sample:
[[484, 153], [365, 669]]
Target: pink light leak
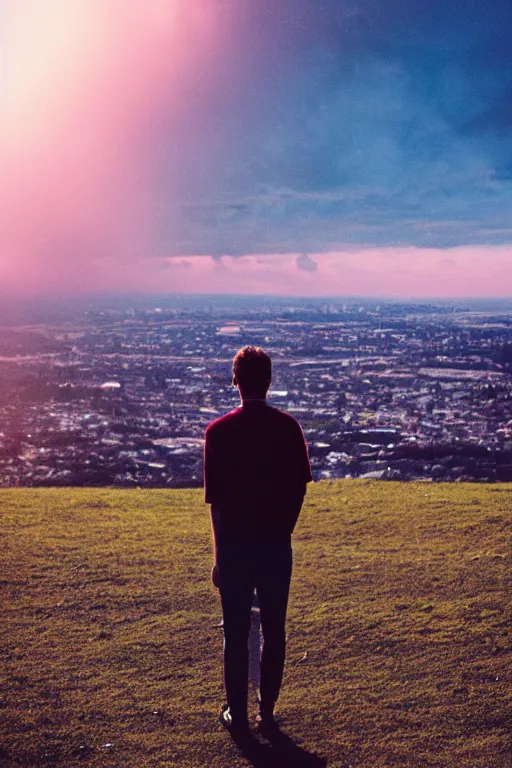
[[83, 82], [84, 87]]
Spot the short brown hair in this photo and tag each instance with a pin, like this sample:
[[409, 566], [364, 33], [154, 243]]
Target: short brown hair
[[252, 369]]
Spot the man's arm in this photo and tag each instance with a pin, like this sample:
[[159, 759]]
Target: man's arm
[[209, 493], [302, 473], [295, 506], [208, 473], [215, 521], [303, 464]]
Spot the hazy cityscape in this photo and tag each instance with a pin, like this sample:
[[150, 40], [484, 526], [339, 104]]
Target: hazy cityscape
[[119, 392]]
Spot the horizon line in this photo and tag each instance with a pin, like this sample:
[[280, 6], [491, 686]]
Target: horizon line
[[390, 299]]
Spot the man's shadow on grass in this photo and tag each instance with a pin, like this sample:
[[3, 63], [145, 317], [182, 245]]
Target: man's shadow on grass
[[278, 751]]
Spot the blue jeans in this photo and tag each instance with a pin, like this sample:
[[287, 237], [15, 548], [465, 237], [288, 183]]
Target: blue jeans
[[244, 567]]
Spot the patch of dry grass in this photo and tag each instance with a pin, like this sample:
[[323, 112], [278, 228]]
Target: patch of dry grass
[[399, 629]]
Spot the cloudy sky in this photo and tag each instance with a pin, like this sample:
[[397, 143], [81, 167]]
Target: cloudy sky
[[307, 147]]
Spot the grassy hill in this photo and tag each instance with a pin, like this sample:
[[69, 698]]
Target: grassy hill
[[399, 630]]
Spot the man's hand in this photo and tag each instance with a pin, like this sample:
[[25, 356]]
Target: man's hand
[[215, 576]]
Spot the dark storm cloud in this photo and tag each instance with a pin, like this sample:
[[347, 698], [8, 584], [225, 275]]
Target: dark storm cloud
[[330, 123]]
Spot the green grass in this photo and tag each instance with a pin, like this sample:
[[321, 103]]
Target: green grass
[[399, 624]]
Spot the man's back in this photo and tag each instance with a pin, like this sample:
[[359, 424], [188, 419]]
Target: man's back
[[256, 470]]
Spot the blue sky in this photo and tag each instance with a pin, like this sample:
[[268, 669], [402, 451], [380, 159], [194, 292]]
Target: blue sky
[[382, 123]]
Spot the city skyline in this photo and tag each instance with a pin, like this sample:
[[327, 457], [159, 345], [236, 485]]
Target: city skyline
[[314, 148], [121, 392]]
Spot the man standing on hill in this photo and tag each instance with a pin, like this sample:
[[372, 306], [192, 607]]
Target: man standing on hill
[[255, 474]]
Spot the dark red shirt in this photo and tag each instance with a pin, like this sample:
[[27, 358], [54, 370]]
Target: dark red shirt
[[256, 468]]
